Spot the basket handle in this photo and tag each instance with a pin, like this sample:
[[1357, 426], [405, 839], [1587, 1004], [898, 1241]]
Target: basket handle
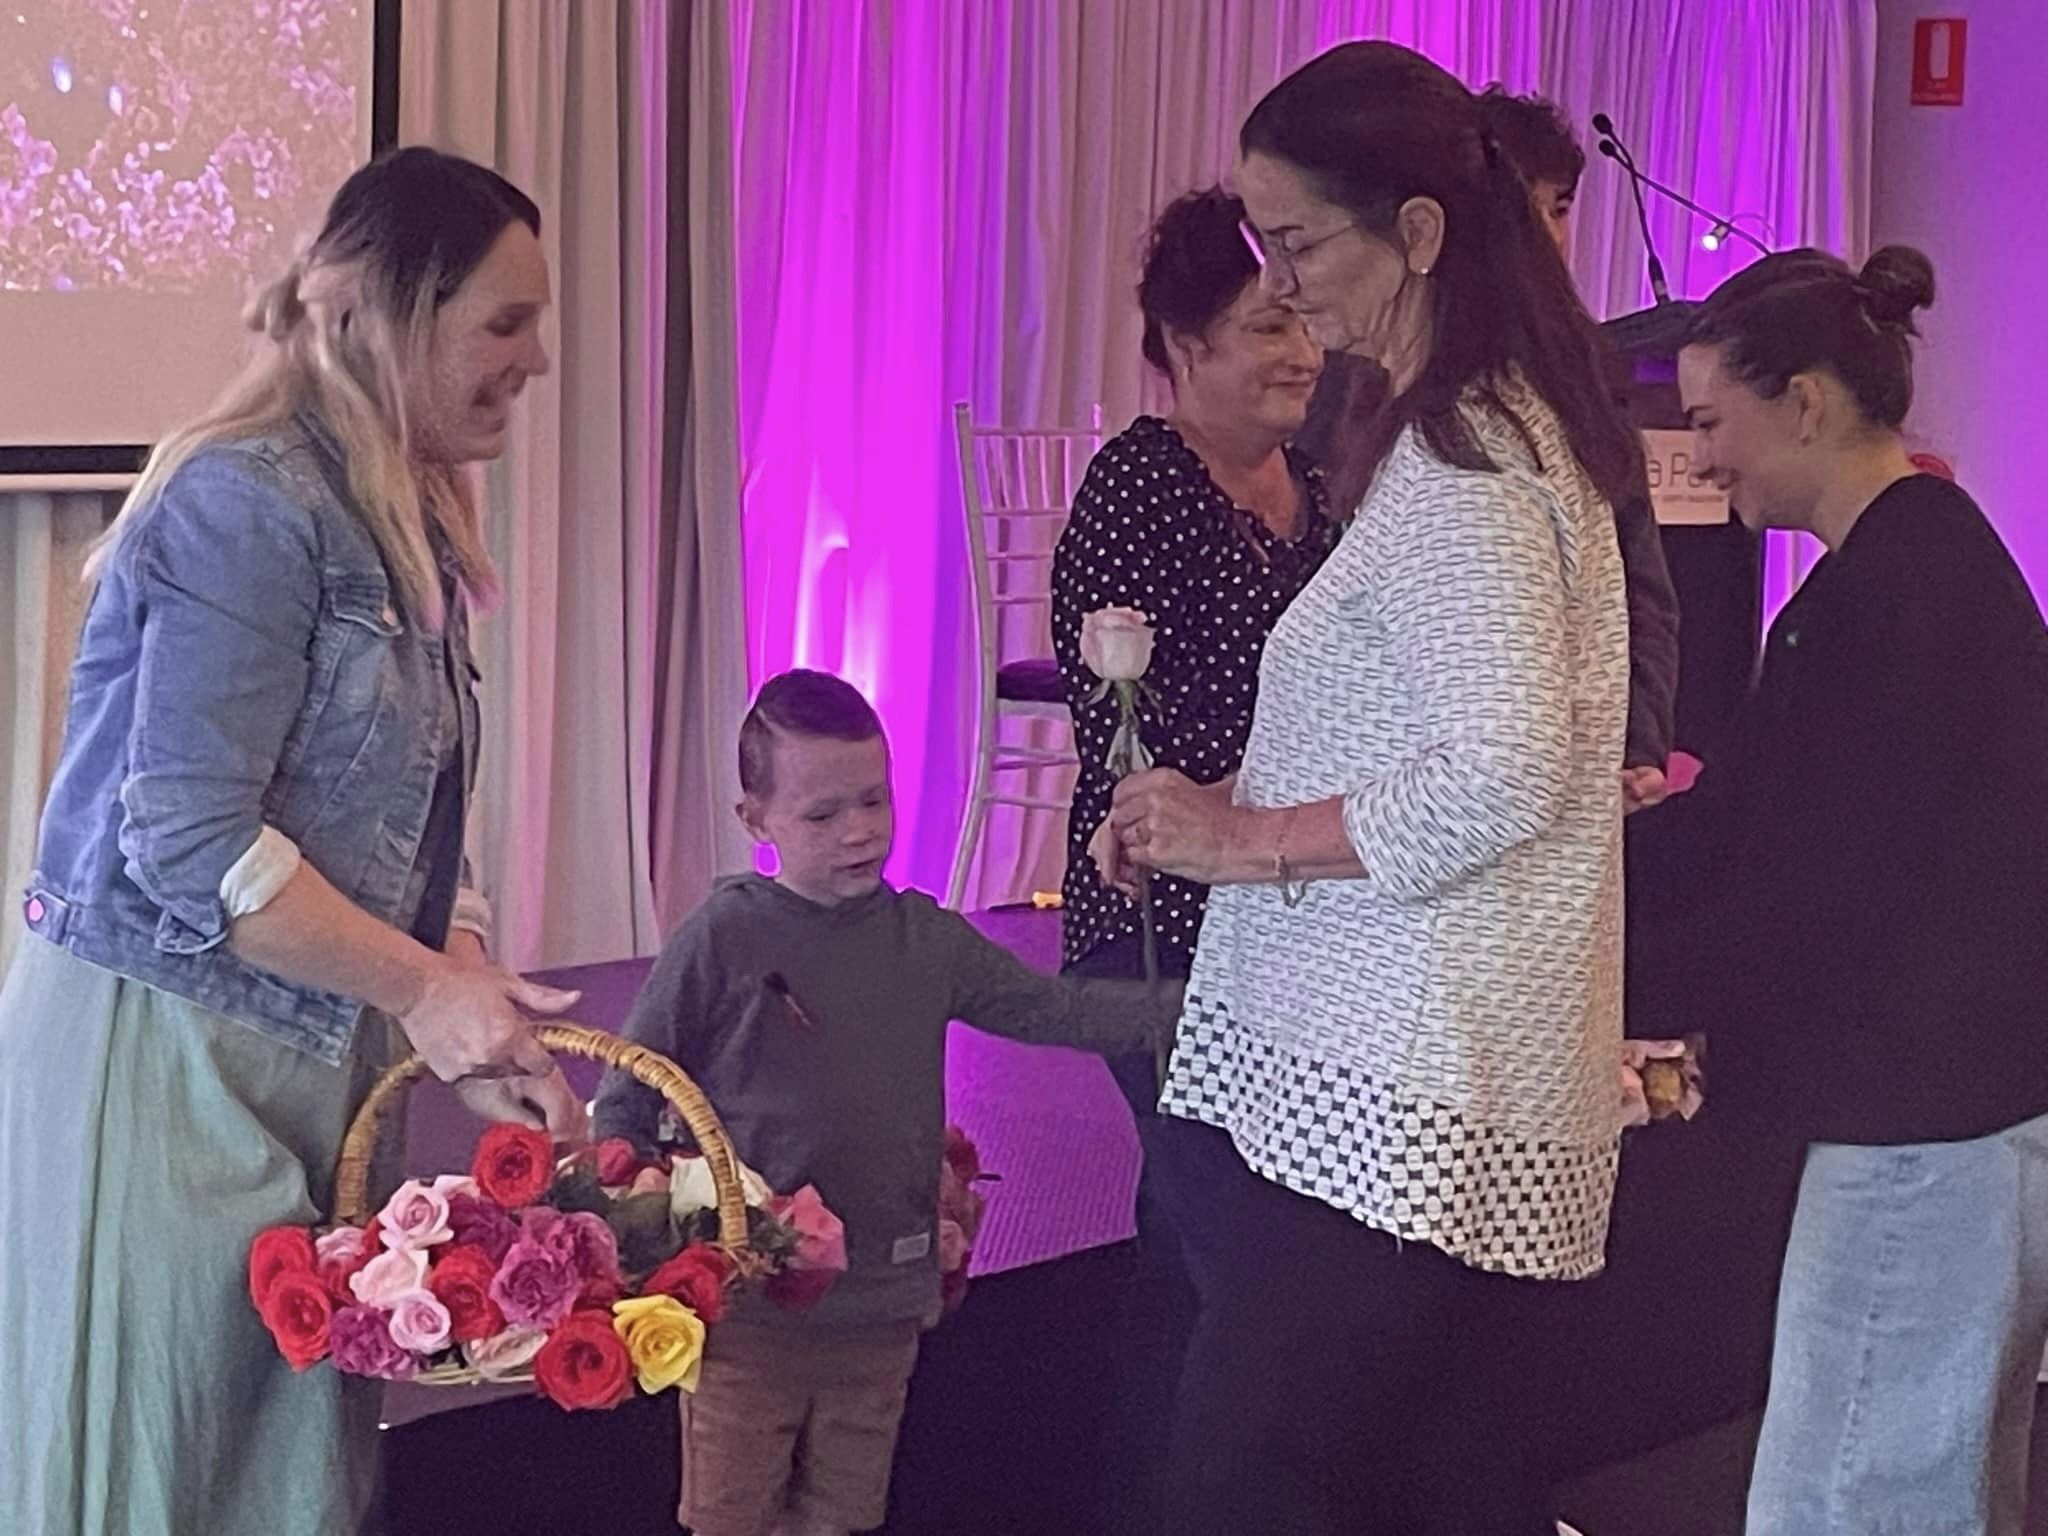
[[352, 1167]]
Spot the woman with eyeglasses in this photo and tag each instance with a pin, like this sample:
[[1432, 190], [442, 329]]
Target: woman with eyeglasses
[[1205, 521], [1393, 1095]]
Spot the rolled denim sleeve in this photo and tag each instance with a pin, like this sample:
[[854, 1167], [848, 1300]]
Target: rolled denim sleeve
[[225, 570]]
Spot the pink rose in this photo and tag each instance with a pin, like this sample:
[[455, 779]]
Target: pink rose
[[536, 1284], [649, 1181], [344, 1245], [419, 1323], [449, 1185], [389, 1276], [618, 1160], [415, 1217], [362, 1346], [820, 1236], [504, 1354]]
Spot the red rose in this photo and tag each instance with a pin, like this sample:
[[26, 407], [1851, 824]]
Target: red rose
[[338, 1271], [798, 1290], [584, 1364], [617, 1161], [278, 1251], [461, 1282], [297, 1310], [514, 1164], [600, 1292], [696, 1277]]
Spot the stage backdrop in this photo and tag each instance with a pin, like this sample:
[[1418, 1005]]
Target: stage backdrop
[[938, 200], [837, 219]]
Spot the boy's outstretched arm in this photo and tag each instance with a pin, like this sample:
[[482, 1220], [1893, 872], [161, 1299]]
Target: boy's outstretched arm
[[995, 991]]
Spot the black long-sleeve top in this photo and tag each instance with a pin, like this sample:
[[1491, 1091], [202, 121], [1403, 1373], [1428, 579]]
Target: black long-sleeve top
[[1875, 966]]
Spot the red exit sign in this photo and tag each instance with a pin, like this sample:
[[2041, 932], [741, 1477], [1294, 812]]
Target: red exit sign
[[1938, 61]]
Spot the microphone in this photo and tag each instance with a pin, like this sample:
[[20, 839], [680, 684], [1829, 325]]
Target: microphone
[[1721, 222], [1611, 147]]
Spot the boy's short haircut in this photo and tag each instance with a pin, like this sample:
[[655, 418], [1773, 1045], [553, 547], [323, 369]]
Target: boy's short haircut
[[800, 702], [1536, 136]]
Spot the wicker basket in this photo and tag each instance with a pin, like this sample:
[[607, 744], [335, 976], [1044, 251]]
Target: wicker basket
[[352, 1167]]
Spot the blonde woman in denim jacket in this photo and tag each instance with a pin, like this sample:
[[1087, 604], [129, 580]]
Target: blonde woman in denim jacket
[[250, 869]]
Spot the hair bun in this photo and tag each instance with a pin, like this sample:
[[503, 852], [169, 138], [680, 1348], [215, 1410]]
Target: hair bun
[[1895, 282]]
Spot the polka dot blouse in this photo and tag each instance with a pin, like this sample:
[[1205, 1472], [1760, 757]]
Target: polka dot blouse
[[1151, 530]]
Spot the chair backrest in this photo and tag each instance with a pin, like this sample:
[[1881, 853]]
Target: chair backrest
[[1017, 486]]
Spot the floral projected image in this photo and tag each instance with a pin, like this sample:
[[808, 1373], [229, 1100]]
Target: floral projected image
[[170, 144]]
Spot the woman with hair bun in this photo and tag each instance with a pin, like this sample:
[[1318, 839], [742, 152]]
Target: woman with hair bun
[[1887, 872]]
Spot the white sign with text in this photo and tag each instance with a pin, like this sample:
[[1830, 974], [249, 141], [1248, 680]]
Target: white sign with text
[[1677, 494]]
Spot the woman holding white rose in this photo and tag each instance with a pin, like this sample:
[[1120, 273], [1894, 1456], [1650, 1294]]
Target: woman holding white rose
[[1391, 1103], [1189, 537]]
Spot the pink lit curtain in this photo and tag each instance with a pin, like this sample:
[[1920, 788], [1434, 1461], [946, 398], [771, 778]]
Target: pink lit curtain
[[615, 675], [937, 200]]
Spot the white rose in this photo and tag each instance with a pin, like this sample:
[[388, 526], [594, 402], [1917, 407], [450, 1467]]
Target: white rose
[[504, 1354], [1116, 644], [691, 1188], [389, 1276]]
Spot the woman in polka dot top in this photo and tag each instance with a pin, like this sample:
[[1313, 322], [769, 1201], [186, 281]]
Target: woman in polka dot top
[[1208, 524]]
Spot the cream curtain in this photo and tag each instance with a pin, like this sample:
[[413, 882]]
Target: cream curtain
[[43, 540], [614, 679]]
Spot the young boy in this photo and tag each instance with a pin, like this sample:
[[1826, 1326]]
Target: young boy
[[811, 1008]]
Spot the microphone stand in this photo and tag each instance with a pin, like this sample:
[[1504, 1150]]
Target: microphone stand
[[1612, 147], [1719, 221]]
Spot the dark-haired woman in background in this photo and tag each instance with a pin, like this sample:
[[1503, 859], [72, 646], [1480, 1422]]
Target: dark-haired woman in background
[[1207, 523], [1887, 895], [1392, 1097]]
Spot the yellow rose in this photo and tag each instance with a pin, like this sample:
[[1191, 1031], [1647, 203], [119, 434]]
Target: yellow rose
[[664, 1339]]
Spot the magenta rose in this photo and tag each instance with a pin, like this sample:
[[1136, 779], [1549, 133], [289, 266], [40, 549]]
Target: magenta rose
[[536, 1285], [480, 1223], [584, 1238], [361, 1344]]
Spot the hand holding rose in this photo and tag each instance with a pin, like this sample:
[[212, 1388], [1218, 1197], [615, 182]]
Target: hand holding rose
[[1166, 821]]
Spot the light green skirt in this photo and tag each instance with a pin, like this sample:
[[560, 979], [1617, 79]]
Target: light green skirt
[[144, 1140]]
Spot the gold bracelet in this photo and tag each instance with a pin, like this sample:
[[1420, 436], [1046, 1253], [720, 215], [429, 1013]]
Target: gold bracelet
[[1292, 894]]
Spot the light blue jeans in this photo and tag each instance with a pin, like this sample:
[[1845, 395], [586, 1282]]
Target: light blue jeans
[[1911, 1322]]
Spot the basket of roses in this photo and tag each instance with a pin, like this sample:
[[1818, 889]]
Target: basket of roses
[[587, 1275]]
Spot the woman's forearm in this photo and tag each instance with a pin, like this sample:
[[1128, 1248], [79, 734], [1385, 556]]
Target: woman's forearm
[[1310, 838], [313, 936]]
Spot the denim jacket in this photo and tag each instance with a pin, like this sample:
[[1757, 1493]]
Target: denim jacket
[[245, 661]]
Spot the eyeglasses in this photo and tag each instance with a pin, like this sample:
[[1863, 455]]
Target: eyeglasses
[[1278, 259]]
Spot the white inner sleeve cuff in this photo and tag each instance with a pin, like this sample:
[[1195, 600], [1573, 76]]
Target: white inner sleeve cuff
[[472, 914], [253, 881]]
